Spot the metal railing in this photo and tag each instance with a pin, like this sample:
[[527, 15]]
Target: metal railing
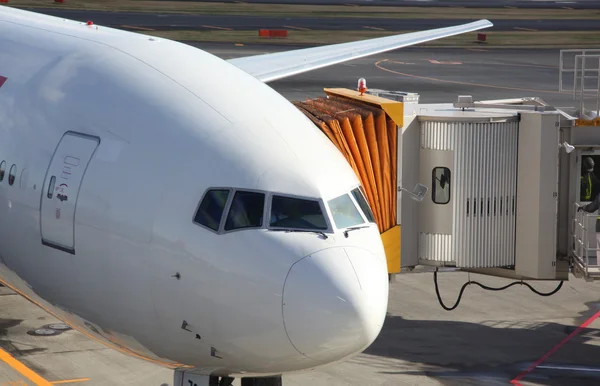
[[581, 245], [582, 66]]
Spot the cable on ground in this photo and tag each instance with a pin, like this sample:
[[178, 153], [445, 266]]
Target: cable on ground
[[469, 282]]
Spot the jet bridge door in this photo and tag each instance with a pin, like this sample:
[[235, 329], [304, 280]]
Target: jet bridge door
[[61, 189]]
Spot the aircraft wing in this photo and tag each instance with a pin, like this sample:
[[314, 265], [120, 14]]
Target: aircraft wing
[[269, 67]]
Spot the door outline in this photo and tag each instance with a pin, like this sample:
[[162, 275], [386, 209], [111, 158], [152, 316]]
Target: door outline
[[579, 155], [43, 194]]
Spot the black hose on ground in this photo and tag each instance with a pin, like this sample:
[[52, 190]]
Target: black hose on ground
[[437, 291]]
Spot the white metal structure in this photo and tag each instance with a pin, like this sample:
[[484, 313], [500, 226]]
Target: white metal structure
[[493, 176], [471, 220], [137, 175], [583, 249], [506, 181], [579, 73]]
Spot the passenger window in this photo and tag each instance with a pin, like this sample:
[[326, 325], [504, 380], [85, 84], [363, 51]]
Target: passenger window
[[440, 193], [345, 214], [2, 170], [364, 205], [246, 210], [298, 213], [211, 208], [12, 174]]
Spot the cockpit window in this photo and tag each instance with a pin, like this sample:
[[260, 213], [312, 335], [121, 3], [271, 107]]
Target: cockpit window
[[364, 206], [288, 212], [246, 210], [345, 214], [211, 208]]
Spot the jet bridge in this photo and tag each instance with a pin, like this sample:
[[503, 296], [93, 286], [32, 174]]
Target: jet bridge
[[490, 187]]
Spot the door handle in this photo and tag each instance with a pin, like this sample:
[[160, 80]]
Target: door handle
[[51, 187]]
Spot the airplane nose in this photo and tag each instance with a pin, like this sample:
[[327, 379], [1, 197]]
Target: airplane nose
[[335, 302]]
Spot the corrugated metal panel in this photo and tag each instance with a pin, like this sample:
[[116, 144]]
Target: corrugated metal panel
[[485, 190], [484, 179], [435, 247], [438, 135]]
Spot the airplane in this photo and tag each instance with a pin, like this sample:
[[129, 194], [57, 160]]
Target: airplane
[[171, 205]]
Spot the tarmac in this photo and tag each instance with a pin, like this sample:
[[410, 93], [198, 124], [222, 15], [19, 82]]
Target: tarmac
[[436, 74], [557, 4], [192, 22], [491, 338]]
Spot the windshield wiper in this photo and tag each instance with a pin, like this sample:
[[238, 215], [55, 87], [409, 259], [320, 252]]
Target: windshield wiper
[[353, 229], [301, 230]]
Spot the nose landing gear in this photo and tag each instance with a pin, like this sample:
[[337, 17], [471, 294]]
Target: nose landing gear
[[190, 379], [224, 381], [266, 381]]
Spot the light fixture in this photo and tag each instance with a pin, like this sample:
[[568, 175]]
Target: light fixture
[[362, 86], [568, 148], [418, 193]]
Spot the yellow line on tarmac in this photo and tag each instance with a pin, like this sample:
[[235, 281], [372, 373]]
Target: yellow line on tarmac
[[94, 338], [24, 370], [70, 381], [213, 27], [378, 65], [300, 28], [526, 29], [136, 27]]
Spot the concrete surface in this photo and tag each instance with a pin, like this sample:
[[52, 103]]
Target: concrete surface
[[237, 22], [489, 339], [68, 356]]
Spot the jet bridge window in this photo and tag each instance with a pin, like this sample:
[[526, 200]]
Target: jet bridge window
[[246, 210], [288, 212], [345, 213], [364, 205], [2, 170], [441, 185], [211, 208]]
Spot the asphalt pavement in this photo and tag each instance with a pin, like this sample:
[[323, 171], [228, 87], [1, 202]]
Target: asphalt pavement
[[170, 21], [437, 74], [490, 339], [579, 4]]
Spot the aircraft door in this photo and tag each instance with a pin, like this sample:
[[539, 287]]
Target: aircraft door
[[61, 189]]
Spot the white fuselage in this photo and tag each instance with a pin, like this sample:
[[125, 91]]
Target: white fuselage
[[138, 129]]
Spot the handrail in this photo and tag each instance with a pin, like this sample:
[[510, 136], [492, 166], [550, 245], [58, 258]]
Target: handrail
[[580, 247], [584, 72]]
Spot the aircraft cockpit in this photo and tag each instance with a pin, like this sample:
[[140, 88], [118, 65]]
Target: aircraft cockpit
[[223, 210]]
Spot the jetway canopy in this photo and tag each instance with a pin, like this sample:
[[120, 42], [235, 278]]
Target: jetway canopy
[[365, 130]]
